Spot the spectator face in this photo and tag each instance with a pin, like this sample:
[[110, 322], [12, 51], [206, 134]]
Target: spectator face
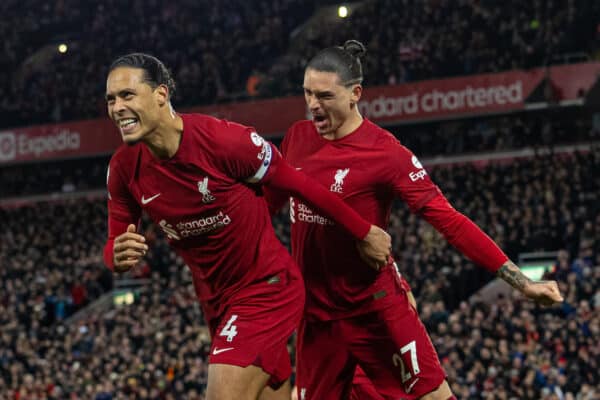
[[133, 105], [330, 103]]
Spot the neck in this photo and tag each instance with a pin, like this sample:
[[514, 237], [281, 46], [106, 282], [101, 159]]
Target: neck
[[164, 141], [348, 126]]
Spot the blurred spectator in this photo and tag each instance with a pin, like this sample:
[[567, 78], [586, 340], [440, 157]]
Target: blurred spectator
[[416, 40], [158, 346], [214, 46], [532, 129]]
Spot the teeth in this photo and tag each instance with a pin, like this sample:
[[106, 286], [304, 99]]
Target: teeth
[[128, 121]]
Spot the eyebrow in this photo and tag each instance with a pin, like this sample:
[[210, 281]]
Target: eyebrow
[[318, 93], [120, 93]]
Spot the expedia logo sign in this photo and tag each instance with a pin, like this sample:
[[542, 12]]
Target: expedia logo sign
[[24, 147], [8, 146]]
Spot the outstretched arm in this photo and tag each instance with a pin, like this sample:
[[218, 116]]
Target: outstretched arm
[[470, 240], [544, 292]]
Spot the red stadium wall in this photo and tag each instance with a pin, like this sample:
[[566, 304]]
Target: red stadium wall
[[421, 101]]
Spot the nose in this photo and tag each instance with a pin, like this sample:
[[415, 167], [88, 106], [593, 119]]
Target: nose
[[118, 106], [312, 102]]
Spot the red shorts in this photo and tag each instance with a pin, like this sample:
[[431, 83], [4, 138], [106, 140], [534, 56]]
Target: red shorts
[[256, 328], [363, 388], [390, 344]]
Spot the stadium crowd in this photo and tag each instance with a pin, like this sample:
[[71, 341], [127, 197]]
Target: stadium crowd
[[211, 46], [223, 50], [447, 138], [418, 40], [157, 347]]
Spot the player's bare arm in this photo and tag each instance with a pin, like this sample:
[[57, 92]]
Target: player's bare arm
[[544, 292], [128, 249]]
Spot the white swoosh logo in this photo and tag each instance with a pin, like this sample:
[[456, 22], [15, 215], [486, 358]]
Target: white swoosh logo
[[409, 388], [218, 351], [149, 199]]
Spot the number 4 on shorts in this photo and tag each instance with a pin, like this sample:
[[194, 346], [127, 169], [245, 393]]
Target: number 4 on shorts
[[229, 329]]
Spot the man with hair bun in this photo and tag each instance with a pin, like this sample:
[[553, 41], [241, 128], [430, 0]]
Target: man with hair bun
[[356, 315], [200, 180]]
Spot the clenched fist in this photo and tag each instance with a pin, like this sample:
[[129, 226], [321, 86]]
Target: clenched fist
[[128, 249]]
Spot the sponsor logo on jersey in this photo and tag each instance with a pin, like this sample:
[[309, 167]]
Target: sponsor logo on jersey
[[219, 351], [207, 196], [415, 176], [301, 212], [340, 174], [146, 200], [265, 155], [257, 139], [416, 162], [195, 227], [169, 230]]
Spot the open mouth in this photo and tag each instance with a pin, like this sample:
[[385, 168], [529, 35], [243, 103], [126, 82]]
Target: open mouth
[[320, 121], [128, 125]]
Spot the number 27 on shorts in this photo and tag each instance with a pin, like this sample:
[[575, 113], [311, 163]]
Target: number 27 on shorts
[[398, 362]]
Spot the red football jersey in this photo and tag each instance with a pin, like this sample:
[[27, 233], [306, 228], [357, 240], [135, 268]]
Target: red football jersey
[[368, 169], [206, 201]]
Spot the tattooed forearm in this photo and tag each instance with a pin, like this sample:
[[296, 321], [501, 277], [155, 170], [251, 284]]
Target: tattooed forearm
[[512, 275]]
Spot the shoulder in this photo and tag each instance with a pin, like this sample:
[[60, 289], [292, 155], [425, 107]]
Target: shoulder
[[300, 130], [213, 128], [125, 158], [122, 167], [301, 126], [382, 137], [391, 146]]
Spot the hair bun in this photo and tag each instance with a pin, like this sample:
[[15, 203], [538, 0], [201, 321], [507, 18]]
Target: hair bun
[[355, 48]]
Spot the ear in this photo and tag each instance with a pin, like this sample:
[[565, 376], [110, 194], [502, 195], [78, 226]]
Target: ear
[[356, 94], [161, 93]]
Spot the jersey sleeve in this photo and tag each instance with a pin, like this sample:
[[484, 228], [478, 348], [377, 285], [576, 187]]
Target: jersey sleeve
[[245, 155], [409, 179], [277, 198], [463, 234], [122, 209]]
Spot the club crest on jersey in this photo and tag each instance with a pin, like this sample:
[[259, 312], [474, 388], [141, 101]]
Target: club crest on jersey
[[340, 174], [207, 196]]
